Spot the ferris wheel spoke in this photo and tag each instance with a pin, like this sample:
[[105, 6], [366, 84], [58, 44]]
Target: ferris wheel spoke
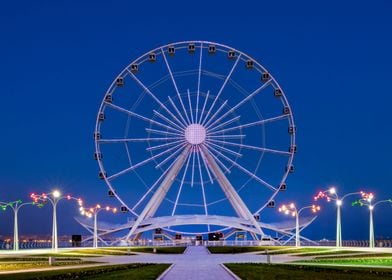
[[162, 132], [264, 86], [202, 184], [163, 145], [226, 123], [193, 166], [152, 187], [224, 149], [221, 89], [217, 159], [174, 83], [190, 105], [261, 149], [166, 119], [216, 113], [171, 155], [204, 107], [124, 140], [215, 150], [184, 123], [146, 89], [228, 136], [206, 165], [198, 82], [246, 171], [120, 109], [133, 167], [181, 184], [261, 122]]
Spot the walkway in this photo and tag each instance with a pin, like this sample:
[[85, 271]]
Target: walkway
[[194, 264]]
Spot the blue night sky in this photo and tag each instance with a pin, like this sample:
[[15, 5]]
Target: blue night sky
[[333, 60]]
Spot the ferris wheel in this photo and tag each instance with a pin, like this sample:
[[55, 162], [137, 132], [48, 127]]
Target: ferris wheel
[[192, 133]]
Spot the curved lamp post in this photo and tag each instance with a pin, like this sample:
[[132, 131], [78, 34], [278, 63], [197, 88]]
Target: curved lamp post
[[54, 197], [367, 199], [292, 210], [331, 194], [15, 206], [93, 211]]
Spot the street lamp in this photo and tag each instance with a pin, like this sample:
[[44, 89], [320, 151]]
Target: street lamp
[[332, 195], [367, 199], [93, 211], [291, 209], [15, 206], [54, 197]]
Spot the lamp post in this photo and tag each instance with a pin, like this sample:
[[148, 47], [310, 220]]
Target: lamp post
[[93, 211], [54, 197], [15, 206], [291, 209], [332, 195], [367, 199]]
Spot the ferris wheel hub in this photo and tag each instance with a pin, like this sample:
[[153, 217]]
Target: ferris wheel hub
[[195, 134]]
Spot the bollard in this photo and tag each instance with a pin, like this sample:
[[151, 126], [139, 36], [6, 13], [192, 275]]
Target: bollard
[[129, 251], [154, 250], [268, 256], [52, 260]]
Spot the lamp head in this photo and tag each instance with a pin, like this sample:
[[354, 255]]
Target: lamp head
[[332, 190], [56, 193], [339, 202]]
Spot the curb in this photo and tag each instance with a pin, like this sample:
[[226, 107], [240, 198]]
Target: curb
[[230, 272], [162, 276]]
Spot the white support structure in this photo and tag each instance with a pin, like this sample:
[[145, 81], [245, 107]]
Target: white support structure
[[159, 195], [235, 200]]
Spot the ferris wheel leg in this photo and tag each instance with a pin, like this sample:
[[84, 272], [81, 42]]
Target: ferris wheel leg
[[159, 195], [235, 200]]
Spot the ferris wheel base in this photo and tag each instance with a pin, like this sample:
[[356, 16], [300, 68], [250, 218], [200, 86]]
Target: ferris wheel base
[[230, 224]]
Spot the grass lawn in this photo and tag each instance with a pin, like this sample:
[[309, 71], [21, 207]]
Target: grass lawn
[[371, 261], [301, 250], [39, 263], [358, 255], [129, 271], [303, 272], [243, 249], [89, 252], [330, 252], [159, 250]]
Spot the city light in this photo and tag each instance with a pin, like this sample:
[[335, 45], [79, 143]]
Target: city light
[[54, 197], [367, 200], [291, 209], [93, 212], [329, 195], [15, 206]]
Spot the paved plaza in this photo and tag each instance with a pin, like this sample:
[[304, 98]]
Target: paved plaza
[[196, 262]]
